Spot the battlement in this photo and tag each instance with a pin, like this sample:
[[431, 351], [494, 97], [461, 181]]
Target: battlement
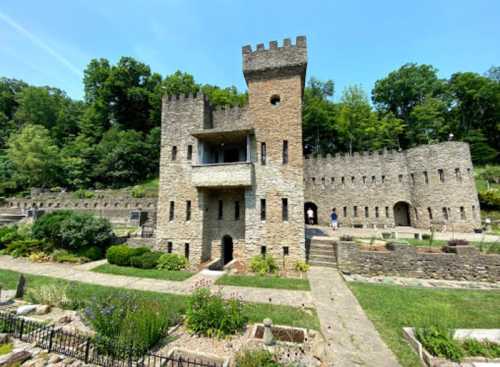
[[288, 59], [170, 99]]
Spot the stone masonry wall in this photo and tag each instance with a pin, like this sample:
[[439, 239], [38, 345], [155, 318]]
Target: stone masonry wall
[[405, 261], [374, 182]]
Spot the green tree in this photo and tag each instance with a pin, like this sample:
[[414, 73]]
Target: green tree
[[35, 157], [179, 83], [429, 122], [224, 96]]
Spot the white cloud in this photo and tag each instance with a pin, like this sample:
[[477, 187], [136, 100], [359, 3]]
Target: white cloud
[[41, 44]]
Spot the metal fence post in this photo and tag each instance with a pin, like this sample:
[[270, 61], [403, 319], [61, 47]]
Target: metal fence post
[[87, 350], [51, 338], [21, 329]]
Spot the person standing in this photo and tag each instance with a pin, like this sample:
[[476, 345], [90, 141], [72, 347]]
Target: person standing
[[310, 216], [334, 219]]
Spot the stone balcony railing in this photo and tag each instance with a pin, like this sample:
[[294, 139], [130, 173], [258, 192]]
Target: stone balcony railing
[[238, 174]]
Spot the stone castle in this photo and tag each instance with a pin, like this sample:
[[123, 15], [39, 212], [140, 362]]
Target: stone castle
[[234, 182]]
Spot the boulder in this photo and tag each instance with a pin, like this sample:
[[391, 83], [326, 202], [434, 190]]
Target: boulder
[[26, 309], [42, 309], [14, 358]]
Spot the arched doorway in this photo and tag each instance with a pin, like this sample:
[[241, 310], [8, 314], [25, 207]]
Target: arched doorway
[[227, 249], [402, 214], [310, 205]]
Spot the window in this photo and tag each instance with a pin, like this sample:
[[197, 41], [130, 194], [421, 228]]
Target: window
[[429, 210], [352, 179], [190, 152], [468, 171], [445, 214], [188, 210], [323, 180], [355, 211], [313, 179], [221, 210], [263, 250], [383, 179], [426, 177], [416, 214], [376, 212], [367, 212], [462, 213], [263, 154], [174, 153], [412, 176], [286, 251], [387, 212], [333, 180], [236, 210], [400, 178], [345, 211], [284, 209], [186, 250], [458, 175], [169, 247], [285, 151], [171, 214], [262, 209], [441, 175], [374, 179], [474, 211], [342, 179], [364, 179], [275, 100]]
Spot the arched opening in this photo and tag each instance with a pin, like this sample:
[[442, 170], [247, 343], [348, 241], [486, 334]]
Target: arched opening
[[227, 249], [402, 214], [310, 208]]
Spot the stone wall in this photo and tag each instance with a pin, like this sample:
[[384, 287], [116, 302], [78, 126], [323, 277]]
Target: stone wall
[[365, 187], [115, 208], [405, 261]]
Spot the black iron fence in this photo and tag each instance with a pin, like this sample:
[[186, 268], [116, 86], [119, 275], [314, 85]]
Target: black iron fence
[[86, 348]]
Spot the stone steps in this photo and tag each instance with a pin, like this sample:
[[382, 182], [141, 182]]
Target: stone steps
[[322, 252], [327, 264]]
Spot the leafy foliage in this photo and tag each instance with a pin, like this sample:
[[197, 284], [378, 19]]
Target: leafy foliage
[[263, 264], [210, 315], [439, 341], [122, 254], [148, 260], [172, 262], [256, 358]]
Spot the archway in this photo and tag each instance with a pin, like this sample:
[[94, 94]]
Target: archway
[[227, 249], [402, 214], [310, 205]]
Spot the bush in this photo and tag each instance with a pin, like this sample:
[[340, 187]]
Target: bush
[[426, 237], [138, 192], [92, 253], [83, 194], [263, 264], [210, 315], [439, 342], [148, 260], [52, 295], [490, 199], [39, 257], [7, 235], [476, 348], [490, 173], [302, 266], [126, 321], [63, 256], [73, 231], [172, 262], [121, 254], [26, 247], [256, 358]]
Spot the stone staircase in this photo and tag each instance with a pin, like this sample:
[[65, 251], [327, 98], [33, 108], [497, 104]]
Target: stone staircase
[[322, 252]]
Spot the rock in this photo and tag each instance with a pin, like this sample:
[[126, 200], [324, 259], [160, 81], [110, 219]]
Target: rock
[[42, 309], [4, 338], [15, 357], [26, 309]]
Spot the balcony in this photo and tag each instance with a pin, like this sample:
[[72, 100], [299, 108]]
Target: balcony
[[212, 175]]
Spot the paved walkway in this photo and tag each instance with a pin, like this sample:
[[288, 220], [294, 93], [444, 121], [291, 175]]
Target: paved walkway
[[83, 273], [352, 338]]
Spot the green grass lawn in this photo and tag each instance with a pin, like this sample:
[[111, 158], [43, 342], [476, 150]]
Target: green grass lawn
[[143, 273], [6, 348], [392, 307], [256, 312], [264, 282]]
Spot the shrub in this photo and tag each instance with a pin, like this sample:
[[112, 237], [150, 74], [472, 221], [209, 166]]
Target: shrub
[[63, 256], [128, 321], [138, 192], [121, 254], [490, 173], [210, 315], [490, 199], [426, 237], [302, 266], [72, 230], [92, 253], [256, 358], [439, 342], [263, 264], [26, 247], [39, 257], [83, 194], [7, 235], [148, 260], [172, 262], [458, 243], [476, 348], [52, 295]]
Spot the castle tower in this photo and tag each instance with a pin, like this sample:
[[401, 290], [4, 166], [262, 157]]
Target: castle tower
[[274, 204]]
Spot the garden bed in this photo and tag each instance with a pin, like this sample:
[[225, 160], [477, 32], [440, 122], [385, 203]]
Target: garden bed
[[282, 333], [143, 273]]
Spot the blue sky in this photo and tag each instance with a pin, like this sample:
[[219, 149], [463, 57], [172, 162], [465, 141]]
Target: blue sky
[[352, 42]]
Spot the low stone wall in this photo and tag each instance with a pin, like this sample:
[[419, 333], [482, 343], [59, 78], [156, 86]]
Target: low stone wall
[[405, 261]]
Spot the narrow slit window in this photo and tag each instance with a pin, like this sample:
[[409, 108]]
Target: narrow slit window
[[462, 213], [284, 209], [445, 214], [169, 247], [426, 177], [429, 210], [412, 176], [186, 250], [262, 209], [220, 215], [387, 213], [458, 175], [374, 179], [171, 214], [383, 179], [285, 151], [400, 178], [236, 210], [367, 212], [377, 214], [364, 179], [286, 250], [174, 153], [353, 179], [441, 175], [190, 152], [355, 211], [345, 211], [263, 250], [474, 215], [263, 154], [188, 210]]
